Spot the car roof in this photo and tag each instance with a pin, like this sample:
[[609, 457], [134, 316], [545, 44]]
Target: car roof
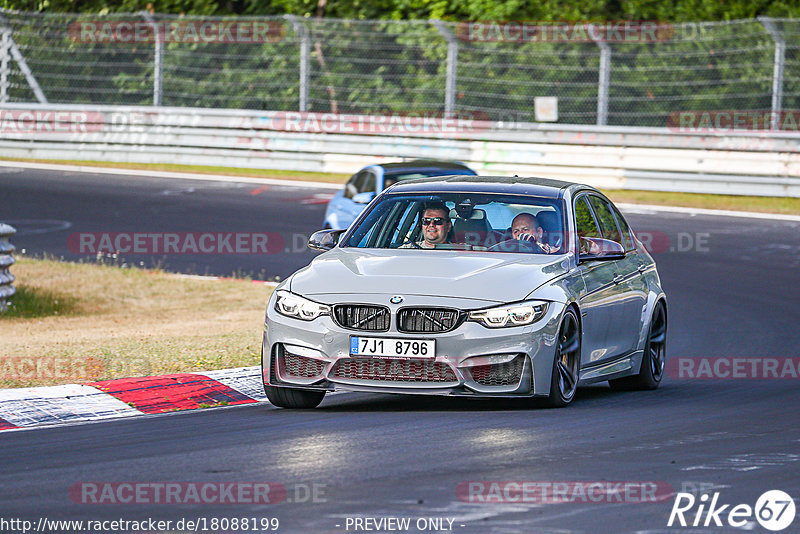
[[423, 164], [543, 187]]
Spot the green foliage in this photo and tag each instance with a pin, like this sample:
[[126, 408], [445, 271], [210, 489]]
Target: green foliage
[[390, 63], [30, 302], [194, 7], [544, 10]]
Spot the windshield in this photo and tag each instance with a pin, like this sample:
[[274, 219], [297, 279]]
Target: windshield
[[463, 221]]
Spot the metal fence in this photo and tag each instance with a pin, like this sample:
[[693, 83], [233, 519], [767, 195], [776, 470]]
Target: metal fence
[[6, 261], [600, 75]]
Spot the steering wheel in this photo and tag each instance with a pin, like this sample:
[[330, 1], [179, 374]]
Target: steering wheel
[[413, 244], [516, 245]]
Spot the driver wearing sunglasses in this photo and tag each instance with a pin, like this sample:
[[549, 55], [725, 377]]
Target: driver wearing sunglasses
[[435, 227]]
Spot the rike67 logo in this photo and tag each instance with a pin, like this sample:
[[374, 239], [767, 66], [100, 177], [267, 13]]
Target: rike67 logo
[[774, 510]]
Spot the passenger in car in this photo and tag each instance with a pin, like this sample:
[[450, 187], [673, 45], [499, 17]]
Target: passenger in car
[[526, 227]]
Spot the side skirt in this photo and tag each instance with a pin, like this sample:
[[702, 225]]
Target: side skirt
[[617, 368]]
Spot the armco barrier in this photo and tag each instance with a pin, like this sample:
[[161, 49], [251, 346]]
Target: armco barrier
[[6, 261], [729, 162]]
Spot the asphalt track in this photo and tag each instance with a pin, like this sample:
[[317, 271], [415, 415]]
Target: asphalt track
[[733, 294]]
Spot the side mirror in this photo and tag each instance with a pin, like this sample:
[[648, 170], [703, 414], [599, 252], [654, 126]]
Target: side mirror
[[324, 239], [364, 198], [595, 248]]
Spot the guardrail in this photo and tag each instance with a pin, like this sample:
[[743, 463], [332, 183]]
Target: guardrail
[[6, 261], [730, 162]]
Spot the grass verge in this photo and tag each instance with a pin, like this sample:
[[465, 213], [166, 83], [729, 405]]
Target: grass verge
[[33, 302], [77, 322], [782, 205], [789, 206], [330, 177]]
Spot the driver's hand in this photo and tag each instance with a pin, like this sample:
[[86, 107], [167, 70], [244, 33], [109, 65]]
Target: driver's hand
[[527, 237]]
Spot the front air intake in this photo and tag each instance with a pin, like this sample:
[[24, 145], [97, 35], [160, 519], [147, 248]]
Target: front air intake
[[499, 374], [392, 370]]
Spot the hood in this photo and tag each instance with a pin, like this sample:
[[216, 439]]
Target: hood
[[493, 277]]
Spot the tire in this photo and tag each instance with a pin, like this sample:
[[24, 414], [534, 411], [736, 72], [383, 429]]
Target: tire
[[655, 355], [566, 363], [300, 399]]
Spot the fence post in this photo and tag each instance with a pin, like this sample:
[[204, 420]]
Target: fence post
[[452, 65], [5, 71], [305, 53], [158, 56], [20, 59], [6, 261], [603, 76], [777, 71]]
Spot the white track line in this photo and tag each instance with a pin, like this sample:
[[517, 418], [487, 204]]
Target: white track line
[[649, 208], [204, 277], [166, 174]]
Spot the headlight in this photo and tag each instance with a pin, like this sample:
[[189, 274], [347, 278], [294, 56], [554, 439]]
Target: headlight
[[519, 314], [295, 306]]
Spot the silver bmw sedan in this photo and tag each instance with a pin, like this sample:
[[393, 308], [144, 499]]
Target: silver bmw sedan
[[470, 286]]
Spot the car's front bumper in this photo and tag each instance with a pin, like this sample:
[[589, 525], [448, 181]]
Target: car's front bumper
[[316, 355]]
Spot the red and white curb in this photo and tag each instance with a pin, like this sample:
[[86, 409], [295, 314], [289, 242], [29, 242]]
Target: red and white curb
[[127, 397]]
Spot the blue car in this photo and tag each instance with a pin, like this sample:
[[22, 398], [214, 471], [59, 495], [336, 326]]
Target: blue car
[[364, 185]]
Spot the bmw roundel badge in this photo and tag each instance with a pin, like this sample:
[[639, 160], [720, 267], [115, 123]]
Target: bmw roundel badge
[[397, 299]]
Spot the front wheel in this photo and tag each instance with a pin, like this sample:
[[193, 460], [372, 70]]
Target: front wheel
[[567, 361], [655, 356], [293, 398]]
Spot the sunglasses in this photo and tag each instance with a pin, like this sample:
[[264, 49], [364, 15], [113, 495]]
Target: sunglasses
[[438, 221]]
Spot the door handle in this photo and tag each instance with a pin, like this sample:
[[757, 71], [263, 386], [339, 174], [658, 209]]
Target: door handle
[[642, 268], [617, 279]]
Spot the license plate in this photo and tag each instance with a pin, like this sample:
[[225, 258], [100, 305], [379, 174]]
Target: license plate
[[392, 347]]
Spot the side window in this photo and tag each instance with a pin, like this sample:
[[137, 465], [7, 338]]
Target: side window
[[626, 230], [367, 183], [608, 225], [362, 182], [350, 188], [584, 219]]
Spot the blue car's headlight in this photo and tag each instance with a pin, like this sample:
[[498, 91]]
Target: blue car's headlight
[[298, 307], [519, 314]]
